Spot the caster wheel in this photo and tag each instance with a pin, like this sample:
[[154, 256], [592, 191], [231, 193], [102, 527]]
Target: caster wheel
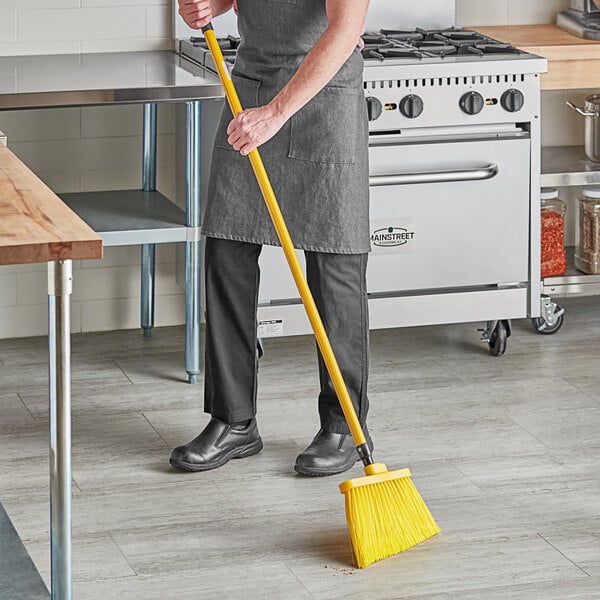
[[498, 338], [545, 328]]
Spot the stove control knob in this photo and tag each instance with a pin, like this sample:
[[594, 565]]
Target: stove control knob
[[374, 108], [512, 101], [411, 106], [472, 103]]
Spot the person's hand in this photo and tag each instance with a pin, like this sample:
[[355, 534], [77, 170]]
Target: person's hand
[[195, 13], [253, 127]]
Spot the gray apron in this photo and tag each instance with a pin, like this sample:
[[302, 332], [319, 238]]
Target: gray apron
[[317, 163]]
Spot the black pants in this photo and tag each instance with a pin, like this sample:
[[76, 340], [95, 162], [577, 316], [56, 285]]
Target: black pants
[[338, 284]]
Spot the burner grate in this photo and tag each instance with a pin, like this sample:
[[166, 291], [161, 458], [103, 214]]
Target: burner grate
[[392, 52], [402, 35], [397, 44], [492, 48], [430, 43]]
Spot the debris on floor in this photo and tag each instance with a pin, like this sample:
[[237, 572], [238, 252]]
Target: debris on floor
[[343, 570]]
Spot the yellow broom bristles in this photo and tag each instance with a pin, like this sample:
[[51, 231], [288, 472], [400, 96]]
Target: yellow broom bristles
[[385, 517]]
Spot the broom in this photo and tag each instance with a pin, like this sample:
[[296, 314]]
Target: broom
[[384, 510]]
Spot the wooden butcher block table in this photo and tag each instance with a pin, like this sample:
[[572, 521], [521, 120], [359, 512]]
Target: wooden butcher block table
[[573, 63], [36, 226]]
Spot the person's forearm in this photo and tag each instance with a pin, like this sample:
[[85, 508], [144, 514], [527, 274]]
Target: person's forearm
[[255, 126], [321, 64]]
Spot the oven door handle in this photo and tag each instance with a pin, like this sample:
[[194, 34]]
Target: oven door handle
[[476, 174]]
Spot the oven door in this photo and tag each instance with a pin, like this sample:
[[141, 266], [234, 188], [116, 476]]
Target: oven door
[[451, 214]]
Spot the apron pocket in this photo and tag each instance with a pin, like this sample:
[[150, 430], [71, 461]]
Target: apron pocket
[[325, 130], [247, 90]]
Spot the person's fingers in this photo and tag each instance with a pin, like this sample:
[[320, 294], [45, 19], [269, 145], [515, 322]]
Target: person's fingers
[[246, 149], [234, 139], [198, 3], [196, 13]]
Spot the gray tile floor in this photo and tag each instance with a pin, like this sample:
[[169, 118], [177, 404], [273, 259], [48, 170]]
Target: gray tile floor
[[505, 451]]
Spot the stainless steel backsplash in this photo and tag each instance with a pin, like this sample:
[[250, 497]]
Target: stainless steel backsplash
[[388, 14]]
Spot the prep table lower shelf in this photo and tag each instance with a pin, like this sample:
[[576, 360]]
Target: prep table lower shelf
[[568, 166], [130, 217], [573, 282], [565, 166]]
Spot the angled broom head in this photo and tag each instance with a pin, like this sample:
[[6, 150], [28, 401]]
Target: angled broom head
[[385, 513]]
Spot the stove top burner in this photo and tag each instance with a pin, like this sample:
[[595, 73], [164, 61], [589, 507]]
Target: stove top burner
[[402, 35], [397, 44], [440, 48], [383, 53], [373, 38], [389, 44], [452, 34], [492, 48]]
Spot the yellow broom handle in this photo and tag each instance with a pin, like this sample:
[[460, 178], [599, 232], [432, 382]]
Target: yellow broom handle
[[288, 249]]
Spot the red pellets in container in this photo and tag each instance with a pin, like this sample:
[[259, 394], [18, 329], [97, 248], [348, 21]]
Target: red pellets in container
[[554, 256]]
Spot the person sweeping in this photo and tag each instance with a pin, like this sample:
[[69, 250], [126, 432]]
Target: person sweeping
[[298, 73], [385, 512]]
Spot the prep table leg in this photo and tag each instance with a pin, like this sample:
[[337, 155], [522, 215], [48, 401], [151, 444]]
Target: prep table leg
[[147, 298], [193, 248], [60, 285], [148, 250]]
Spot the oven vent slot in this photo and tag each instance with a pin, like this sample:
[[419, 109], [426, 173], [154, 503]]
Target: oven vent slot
[[443, 81]]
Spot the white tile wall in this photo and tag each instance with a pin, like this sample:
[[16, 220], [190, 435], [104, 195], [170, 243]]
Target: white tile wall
[[508, 12], [8, 29], [90, 149], [37, 4], [87, 23], [103, 315], [478, 12], [8, 289], [34, 125], [64, 26], [535, 11], [100, 148]]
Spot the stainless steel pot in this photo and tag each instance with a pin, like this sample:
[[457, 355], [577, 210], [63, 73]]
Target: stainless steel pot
[[591, 112]]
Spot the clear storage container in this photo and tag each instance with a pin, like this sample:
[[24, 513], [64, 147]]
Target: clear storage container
[[587, 257], [554, 256]]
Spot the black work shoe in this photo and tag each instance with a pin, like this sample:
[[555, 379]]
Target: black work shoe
[[216, 445], [328, 454]]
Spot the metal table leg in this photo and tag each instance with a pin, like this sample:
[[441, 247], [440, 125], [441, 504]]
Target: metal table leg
[[193, 247], [148, 250], [60, 286], [148, 288]]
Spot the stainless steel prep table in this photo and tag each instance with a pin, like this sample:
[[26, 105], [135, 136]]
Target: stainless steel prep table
[[574, 64], [130, 217]]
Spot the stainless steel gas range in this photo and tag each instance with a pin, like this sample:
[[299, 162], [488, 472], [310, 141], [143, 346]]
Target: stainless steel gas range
[[455, 175]]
